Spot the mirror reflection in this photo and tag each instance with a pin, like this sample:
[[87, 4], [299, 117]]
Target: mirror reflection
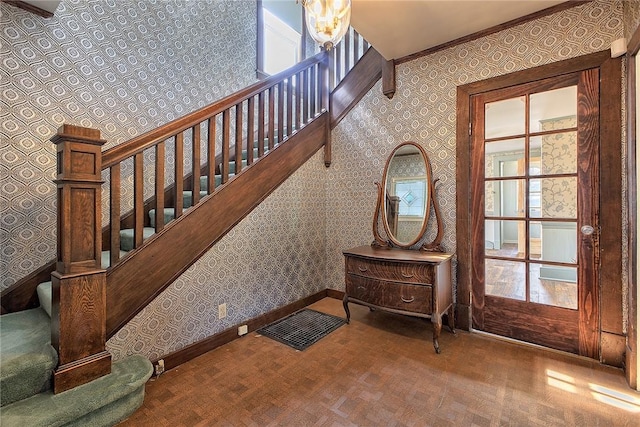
[[407, 198]]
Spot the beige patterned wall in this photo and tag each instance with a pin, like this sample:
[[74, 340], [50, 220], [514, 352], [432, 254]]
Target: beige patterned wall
[[423, 110], [631, 17], [123, 67]]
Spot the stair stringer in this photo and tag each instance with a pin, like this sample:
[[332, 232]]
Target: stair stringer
[[142, 275]]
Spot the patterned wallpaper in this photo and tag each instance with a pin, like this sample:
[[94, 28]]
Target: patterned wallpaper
[[141, 63], [631, 17], [423, 110], [122, 67]]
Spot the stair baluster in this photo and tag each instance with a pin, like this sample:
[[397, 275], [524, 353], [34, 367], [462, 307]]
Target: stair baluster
[[195, 164]]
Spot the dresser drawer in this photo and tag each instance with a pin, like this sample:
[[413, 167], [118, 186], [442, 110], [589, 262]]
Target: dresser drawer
[[391, 271], [399, 296]]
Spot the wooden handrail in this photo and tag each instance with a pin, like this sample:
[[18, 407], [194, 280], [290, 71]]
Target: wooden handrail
[[22, 294], [138, 144]]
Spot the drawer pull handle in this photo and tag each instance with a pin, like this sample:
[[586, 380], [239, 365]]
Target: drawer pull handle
[[407, 276], [361, 288], [363, 269], [407, 300]]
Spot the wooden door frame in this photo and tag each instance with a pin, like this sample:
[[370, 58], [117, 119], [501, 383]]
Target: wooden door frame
[[612, 340], [631, 353]]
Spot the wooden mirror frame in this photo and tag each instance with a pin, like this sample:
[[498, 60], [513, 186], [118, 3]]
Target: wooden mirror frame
[[391, 240]]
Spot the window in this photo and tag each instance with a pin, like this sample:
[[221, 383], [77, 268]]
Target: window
[[280, 29], [281, 44]]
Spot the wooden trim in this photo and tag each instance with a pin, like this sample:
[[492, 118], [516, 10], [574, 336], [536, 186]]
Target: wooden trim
[[260, 42], [335, 294], [613, 349], [29, 8], [201, 347], [611, 196], [355, 85], [492, 30], [22, 294], [631, 350], [389, 78]]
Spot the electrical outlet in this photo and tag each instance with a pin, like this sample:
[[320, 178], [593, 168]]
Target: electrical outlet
[[222, 310], [242, 330], [159, 367]]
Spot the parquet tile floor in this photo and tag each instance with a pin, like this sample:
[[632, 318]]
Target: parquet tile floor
[[381, 370]]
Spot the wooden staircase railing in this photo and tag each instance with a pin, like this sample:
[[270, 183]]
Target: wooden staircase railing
[[274, 108], [285, 117]]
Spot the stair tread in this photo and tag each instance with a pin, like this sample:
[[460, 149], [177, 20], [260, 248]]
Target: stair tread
[[27, 359], [127, 377], [127, 236]]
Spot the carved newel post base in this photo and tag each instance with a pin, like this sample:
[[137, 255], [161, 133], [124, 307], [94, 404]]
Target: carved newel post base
[[78, 318]]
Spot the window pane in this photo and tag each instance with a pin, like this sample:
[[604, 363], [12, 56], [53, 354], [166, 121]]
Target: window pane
[[505, 279], [504, 198], [504, 158], [504, 118], [559, 241], [281, 44], [553, 285], [504, 238], [558, 197], [557, 153], [554, 109], [535, 240]]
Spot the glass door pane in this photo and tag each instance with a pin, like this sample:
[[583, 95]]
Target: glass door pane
[[531, 195]]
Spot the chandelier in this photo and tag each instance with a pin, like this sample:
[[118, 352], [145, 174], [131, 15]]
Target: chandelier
[[327, 20]]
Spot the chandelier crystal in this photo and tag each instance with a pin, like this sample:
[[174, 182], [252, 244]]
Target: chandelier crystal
[[327, 20]]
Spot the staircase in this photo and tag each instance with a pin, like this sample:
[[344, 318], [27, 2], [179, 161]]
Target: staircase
[[54, 368]]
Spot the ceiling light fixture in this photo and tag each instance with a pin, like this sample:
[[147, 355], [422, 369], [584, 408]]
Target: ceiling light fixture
[[327, 20]]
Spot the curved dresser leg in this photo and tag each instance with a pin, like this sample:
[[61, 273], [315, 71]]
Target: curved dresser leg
[[437, 327], [345, 304], [451, 320]]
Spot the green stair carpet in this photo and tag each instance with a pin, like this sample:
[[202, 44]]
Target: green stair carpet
[[27, 359], [102, 402]]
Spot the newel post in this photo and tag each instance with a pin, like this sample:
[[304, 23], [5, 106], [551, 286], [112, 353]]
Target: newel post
[[78, 318]]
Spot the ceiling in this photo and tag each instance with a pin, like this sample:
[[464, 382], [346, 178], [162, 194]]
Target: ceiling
[[398, 28]]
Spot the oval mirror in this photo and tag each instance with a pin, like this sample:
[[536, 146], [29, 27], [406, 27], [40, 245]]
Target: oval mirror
[[407, 198]]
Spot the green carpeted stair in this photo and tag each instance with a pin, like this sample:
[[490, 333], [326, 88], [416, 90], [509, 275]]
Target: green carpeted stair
[[102, 402], [27, 359], [27, 363]]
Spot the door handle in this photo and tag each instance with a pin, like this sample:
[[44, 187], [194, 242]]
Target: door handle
[[586, 230]]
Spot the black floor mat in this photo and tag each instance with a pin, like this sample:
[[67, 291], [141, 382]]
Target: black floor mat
[[303, 328]]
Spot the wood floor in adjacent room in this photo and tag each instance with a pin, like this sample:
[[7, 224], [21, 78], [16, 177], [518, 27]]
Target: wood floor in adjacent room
[[381, 370]]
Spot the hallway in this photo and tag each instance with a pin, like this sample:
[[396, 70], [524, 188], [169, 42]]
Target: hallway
[[381, 370]]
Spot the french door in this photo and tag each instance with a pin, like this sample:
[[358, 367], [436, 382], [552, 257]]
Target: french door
[[534, 199]]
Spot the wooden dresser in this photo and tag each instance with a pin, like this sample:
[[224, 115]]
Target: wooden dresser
[[401, 281]]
